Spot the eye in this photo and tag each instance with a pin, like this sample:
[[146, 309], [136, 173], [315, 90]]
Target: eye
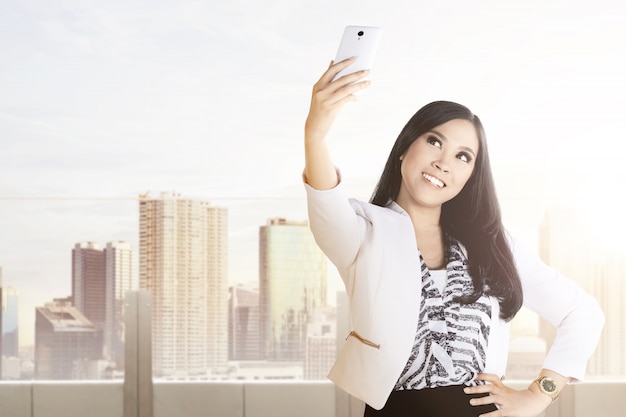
[[465, 157], [433, 140]]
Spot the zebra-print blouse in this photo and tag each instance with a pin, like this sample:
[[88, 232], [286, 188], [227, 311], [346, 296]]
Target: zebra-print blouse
[[451, 340]]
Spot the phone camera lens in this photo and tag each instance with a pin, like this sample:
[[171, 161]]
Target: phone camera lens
[[360, 33]]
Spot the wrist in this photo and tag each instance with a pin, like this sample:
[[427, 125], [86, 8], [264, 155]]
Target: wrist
[[545, 386], [539, 396]]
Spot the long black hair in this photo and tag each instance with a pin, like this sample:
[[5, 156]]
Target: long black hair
[[472, 217]]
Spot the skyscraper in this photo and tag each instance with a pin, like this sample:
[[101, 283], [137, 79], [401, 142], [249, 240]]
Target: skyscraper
[[577, 243], [65, 342], [183, 263], [293, 280], [321, 343], [89, 281], [9, 334], [119, 280], [243, 323], [100, 279]]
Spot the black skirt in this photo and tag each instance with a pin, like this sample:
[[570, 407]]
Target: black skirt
[[430, 402]]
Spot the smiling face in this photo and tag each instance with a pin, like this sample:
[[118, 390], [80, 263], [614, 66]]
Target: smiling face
[[437, 165]]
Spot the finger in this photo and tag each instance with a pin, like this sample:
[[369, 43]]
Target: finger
[[478, 389], [336, 68], [347, 84], [338, 90], [348, 93], [491, 378], [352, 77], [354, 86], [488, 399], [327, 85]]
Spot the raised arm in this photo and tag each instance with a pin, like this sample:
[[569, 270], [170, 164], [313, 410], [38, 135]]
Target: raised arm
[[327, 99]]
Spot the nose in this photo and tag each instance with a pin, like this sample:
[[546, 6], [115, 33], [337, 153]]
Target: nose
[[441, 165]]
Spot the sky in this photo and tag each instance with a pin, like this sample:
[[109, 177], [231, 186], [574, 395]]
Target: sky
[[103, 101]]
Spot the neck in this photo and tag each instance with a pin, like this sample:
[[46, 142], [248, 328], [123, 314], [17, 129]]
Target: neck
[[425, 219], [428, 234]]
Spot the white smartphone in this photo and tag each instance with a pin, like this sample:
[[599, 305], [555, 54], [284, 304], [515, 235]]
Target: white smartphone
[[360, 42]]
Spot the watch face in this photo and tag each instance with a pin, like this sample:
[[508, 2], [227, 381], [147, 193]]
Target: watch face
[[548, 385]]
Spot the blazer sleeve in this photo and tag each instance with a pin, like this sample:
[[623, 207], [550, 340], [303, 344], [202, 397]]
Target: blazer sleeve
[[337, 228], [576, 315]]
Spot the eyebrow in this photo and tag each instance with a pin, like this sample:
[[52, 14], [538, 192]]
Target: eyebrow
[[442, 136]]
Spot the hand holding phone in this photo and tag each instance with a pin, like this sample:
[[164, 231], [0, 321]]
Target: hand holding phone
[[360, 42]]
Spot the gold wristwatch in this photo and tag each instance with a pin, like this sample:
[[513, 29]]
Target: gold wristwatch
[[548, 386]]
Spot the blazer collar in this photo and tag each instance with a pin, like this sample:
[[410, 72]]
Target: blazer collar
[[396, 207]]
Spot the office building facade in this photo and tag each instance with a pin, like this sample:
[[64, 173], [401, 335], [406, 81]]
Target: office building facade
[[293, 283], [66, 342], [100, 280], [118, 257], [574, 241], [9, 331], [321, 343], [89, 281], [183, 264], [243, 323]]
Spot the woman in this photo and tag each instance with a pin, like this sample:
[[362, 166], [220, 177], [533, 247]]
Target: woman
[[432, 277]]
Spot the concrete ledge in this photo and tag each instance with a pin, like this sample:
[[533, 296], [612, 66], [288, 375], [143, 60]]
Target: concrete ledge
[[197, 399], [606, 399], [252, 399], [15, 399], [288, 399], [80, 398]]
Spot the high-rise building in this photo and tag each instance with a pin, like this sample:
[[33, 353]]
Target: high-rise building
[[243, 323], [610, 288], [577, 242], [9, 334], [89, 281], [100, 280], [183, 263], [321, 343], [293, 283], [66, 342], [119, 280]]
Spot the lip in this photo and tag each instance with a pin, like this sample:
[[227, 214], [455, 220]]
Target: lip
[[433, 181]]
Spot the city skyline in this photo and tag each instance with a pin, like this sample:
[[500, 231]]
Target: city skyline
[[593, 273], [243, 256], [102, 102]]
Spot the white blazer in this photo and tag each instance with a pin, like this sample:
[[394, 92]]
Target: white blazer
[[375, 252]]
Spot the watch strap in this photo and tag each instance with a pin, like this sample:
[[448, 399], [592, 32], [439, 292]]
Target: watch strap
[[547, 386]]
